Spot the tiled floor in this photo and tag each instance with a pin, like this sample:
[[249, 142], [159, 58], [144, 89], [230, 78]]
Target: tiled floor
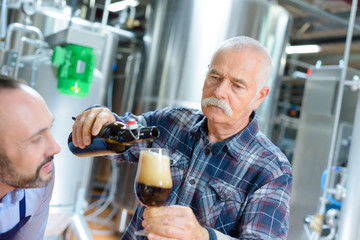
[[100, 232], [104, 236]]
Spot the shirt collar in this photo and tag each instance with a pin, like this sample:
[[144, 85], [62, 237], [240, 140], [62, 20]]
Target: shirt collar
[[13, 197], [200, 124], [236, 143], [242, 139]]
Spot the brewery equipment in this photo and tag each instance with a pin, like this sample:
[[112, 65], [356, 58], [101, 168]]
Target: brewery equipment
[[313, 141], [181, 37]]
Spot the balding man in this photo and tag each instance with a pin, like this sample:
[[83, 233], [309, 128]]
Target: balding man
[[26, 161]]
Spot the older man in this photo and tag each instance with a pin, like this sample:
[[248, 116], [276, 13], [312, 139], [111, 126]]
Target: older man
[[229, 180], [26, 161]]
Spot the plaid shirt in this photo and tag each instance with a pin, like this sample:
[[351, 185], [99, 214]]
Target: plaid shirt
[[238, 188]]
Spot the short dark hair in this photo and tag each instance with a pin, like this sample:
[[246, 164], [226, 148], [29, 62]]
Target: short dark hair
[[7, 82]]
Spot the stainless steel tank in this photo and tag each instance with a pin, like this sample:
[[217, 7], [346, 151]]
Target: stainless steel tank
[[182, 36]]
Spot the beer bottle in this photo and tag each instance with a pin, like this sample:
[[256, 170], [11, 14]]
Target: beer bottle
[[115, 138]]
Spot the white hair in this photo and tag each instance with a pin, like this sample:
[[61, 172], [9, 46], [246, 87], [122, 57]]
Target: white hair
[[243, 42]]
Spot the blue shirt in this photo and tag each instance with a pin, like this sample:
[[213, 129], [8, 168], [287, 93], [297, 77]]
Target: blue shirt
[[37, 205], [238, 188]]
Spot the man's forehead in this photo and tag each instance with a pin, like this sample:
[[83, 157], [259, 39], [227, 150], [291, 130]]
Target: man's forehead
[[23, 113]]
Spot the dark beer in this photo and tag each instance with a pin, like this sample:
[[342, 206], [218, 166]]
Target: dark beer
[[153, 180], [151, 196]]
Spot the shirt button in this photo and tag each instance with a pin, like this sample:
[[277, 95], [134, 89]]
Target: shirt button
[[222, 197], [192, 181], [207, 151]]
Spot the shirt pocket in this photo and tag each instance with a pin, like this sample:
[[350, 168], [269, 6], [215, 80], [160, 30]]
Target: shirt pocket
[[179, 164], [223, 204]]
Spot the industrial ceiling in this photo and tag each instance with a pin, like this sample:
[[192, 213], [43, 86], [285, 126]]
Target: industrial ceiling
[[324, 23]]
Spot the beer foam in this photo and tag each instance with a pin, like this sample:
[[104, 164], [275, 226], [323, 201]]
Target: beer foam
[[155, 170]]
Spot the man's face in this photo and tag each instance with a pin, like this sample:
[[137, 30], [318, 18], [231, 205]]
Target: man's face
[[231, 81], [27, 146]]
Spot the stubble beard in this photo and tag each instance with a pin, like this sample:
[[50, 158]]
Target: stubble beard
[[10, 176]]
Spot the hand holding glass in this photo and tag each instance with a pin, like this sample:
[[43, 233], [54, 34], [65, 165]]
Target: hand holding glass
[[153, 181]]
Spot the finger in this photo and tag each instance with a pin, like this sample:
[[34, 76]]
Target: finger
[[103, 117], [182, 223], [88, 121], [164, 231], [77, 130], [164, 222], [153, 236], [88, 124], [83, 125], [74, 137], [177, 229], [173, 210]]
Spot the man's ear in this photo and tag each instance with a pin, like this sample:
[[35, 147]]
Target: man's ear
[[261, 96]]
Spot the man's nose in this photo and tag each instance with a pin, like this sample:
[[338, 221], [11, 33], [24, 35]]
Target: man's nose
[[54, 147], [222, 89]]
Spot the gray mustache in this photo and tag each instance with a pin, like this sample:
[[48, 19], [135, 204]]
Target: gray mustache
[[213, 101]]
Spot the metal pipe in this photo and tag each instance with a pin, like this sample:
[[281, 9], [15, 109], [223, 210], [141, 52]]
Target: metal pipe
[[35, 66], [105, 13], [340, 94], [3, 21], [73, 9], [36, 43], [79, 226], [350, 212], [318, 12], [21, 27], [23, 39]]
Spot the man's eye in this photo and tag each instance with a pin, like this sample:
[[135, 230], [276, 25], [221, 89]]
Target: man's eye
[[37, 139], [215, 78]]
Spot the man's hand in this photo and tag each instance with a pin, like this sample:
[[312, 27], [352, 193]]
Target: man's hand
[[173, 222], [90, 123]]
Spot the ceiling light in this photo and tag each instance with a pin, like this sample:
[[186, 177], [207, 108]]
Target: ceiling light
[[121, 5], [301, 49]]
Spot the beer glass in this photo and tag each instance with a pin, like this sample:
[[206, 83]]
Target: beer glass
[[153, 181]]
